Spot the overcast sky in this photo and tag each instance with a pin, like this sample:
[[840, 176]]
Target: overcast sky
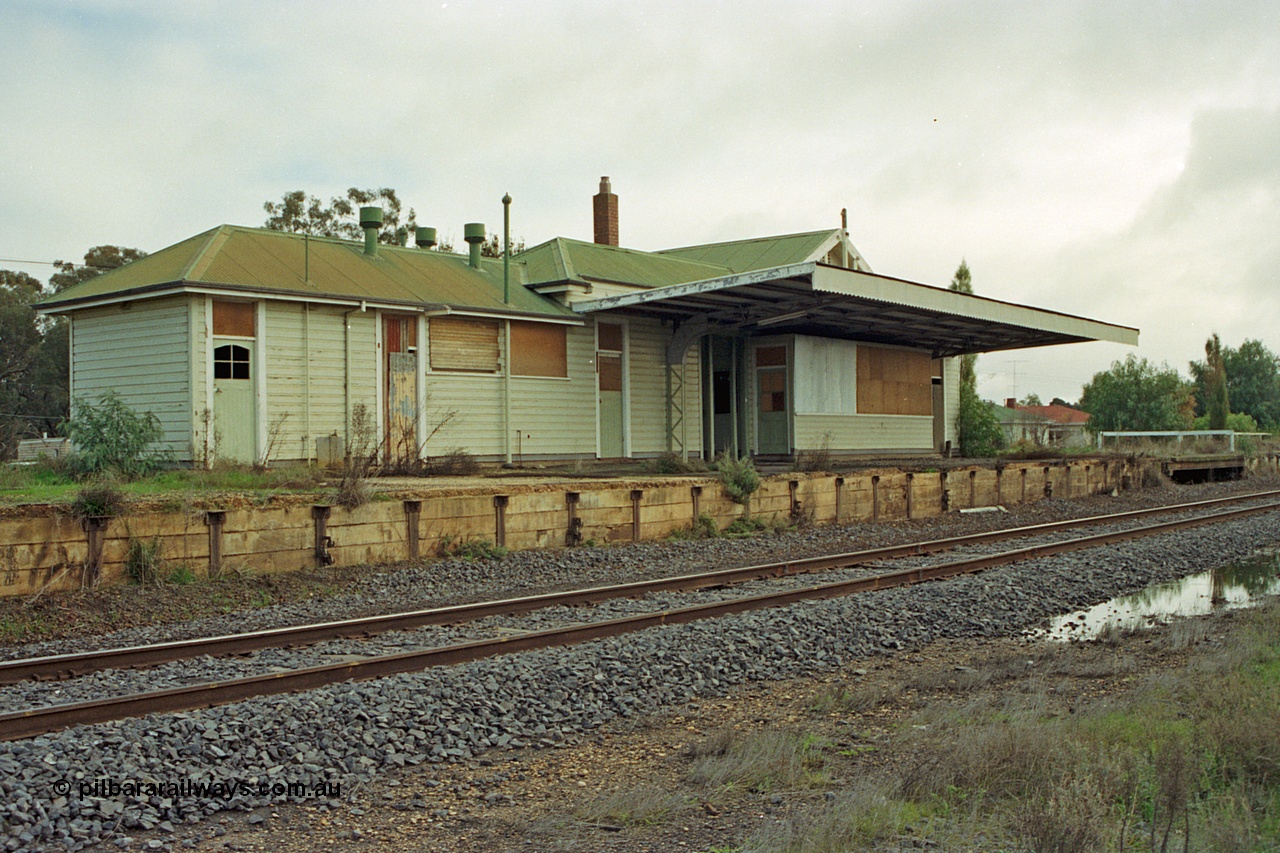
[[1115, 160]]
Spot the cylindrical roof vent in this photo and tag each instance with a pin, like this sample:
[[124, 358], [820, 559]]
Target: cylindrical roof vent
[[424, 237], [371, 222], [473, 233]]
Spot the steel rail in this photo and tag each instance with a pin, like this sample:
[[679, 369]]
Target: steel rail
[[36, 721], [60, 667]]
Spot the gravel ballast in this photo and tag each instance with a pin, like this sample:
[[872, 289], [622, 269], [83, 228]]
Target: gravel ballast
[[347, 734], [205, 669]]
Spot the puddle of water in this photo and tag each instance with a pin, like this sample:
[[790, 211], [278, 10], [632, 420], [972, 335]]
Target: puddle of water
[[1235, 585]]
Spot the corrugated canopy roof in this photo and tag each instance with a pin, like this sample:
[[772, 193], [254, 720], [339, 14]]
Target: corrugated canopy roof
[[815, 299], [259, 260]]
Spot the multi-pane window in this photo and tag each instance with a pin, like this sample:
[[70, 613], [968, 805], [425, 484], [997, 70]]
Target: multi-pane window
[[231, 361]]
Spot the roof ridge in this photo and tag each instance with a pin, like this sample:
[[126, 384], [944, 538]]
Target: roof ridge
[[632, 251], [747, 240], [204, 256], [563, 261]]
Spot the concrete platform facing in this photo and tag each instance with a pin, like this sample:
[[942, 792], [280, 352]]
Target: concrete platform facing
[[42, 548]]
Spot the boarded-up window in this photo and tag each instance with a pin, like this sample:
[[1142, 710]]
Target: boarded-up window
[[773, 391], [609, 336], [538, 349], [233, 319], [771, 356], [894, 382], [610, 367], [459, 343]]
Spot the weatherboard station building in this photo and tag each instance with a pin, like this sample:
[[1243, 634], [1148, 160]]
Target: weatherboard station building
[[263, 346]]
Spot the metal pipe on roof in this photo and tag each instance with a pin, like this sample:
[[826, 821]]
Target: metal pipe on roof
[[424, 237]]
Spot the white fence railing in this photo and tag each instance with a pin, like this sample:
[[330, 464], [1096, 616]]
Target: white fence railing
[[1179, 434]]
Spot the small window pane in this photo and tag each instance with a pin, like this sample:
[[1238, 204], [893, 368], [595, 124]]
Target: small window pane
[[231, 361]]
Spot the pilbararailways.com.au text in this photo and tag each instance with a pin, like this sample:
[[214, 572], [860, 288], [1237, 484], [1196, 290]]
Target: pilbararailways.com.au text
[[109, 789]]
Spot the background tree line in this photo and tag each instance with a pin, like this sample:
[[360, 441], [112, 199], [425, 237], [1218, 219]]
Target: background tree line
[[1232, 388], [35, 351], [301, 213]]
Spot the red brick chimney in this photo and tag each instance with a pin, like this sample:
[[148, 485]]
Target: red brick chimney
[[1011, 402], [606, 214]]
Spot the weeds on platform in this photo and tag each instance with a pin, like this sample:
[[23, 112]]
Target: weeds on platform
[[455, 547]]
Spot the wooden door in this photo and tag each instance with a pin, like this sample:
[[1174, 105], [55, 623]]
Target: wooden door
[[400, 343], [610, 370], [234, 409]]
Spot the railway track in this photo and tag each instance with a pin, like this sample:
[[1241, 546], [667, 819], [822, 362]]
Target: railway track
[[35, 721]]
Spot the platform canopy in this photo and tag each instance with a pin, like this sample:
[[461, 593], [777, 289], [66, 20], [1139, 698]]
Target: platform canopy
[[816, 299]]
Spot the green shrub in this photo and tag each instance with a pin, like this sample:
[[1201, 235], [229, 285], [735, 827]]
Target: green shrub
[[703, 527], [978, 428], [745, 526], [738, 476], [110, 436]]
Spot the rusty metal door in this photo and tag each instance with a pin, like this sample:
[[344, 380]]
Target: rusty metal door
[[399, 338]]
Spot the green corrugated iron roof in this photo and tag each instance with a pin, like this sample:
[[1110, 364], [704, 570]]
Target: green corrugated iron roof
[[563, 259], [262, 260], [757, 253]]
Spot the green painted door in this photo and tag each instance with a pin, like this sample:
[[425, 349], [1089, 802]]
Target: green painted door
[[772, 385], [610, 371], [234, 415]]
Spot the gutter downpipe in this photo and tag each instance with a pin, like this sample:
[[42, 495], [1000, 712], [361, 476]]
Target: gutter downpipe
[[506, 394], [506, 300], [346, 376]]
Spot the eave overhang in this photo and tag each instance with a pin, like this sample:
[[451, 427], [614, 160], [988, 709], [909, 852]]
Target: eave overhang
[[55, 307], [816, 299]]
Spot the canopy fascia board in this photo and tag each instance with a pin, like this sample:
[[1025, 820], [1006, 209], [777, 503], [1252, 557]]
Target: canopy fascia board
[[897, 291], [693, 288]]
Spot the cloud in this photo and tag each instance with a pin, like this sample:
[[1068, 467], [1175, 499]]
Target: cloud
[[1084, 157]]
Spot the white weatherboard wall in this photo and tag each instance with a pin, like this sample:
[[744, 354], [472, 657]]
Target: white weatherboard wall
[[201, 376], [951, 398], [143, 354], [305, 391], [647, 373], [554, 415]]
